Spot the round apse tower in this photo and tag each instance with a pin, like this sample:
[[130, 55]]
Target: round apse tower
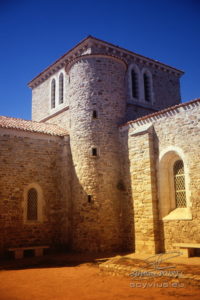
[[97, 107]]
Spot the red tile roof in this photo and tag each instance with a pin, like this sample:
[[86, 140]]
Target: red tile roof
[[171, 108], [31, 126]]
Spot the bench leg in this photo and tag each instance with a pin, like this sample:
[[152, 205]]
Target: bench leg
[[187, 252], [191, 252], [19, 254], [39, 252]]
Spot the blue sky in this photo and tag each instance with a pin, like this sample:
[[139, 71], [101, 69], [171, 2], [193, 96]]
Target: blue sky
[[34, 33]]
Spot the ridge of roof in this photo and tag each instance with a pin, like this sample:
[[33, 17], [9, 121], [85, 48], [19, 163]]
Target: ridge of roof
[[31, 126], [155, 114], [109, 44]]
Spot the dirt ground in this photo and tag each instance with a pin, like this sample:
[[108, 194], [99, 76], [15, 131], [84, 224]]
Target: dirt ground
[[65, 279]]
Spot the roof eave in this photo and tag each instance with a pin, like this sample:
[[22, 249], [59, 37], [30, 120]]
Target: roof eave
[[60, 58], [86, 40]]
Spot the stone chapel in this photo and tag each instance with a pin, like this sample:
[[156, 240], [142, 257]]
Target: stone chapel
[[110, 160]]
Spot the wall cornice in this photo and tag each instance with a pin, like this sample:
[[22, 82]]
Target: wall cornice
[[110, 49]]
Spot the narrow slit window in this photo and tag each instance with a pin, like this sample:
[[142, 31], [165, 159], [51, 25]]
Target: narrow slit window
[[89, 198], [53, 93], [94, 114], [179, 184], [147, 88], [61, 88], [134, 83], [94, 151], [32, 205]]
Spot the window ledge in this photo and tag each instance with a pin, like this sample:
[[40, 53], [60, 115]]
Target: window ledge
[[179, 214], [36, 222], [142, 103]]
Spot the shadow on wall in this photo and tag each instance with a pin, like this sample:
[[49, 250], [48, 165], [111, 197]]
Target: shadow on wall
[[88, 230], [157, 224], [127, 209]]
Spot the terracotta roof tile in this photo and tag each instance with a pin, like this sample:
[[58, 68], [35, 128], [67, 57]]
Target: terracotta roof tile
[[31, 126]]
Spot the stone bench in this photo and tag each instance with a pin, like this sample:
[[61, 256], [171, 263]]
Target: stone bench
[[187, 249], [19, 252]]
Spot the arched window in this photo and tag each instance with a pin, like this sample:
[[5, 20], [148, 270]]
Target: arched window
[[32, 205], [134, 81], [61, 88], [174, 200], [53, 93], [134, 84], [179, 184], [147, 87]]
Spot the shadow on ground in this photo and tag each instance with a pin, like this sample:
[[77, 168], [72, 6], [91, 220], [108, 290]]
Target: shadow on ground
[[55, 260]]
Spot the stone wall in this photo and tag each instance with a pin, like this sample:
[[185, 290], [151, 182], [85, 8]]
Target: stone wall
[[142, 169], [41, 97], [135, 111], [117, 195], [165, 87], [165, 91], [176, 131], [166, 83], [44, 160], [63, 119]]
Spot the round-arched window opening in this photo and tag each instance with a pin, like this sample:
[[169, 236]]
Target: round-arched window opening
[[179, 184], [32, 205]]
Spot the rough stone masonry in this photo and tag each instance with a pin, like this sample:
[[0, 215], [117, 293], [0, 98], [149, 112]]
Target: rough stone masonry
[[101, 159]]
